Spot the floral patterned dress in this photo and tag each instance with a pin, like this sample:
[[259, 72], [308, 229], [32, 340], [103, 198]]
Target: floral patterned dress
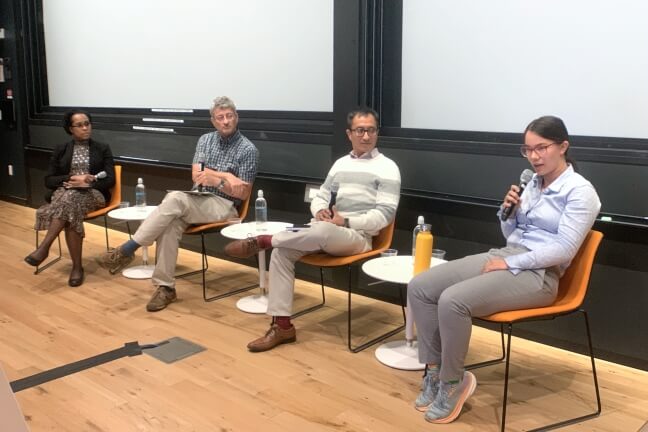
[[72, 205]]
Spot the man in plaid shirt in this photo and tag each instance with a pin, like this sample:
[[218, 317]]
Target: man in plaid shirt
[[230, 163]]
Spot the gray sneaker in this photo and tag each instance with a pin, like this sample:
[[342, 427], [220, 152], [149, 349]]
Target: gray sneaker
[[429, 390], [161, 298], [115, 260], [450, 399]]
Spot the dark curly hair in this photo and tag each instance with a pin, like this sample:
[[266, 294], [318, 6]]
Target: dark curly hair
[[67, 119]]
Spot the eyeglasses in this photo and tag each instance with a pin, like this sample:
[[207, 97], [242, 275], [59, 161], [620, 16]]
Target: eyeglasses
[[82, 124], [540, 150], [359, 132], [228, 116]]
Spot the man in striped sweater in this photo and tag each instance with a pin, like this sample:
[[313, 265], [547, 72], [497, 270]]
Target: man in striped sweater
[[368, 190]]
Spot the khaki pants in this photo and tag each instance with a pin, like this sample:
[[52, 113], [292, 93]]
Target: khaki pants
[[168, 221], [290, 246]]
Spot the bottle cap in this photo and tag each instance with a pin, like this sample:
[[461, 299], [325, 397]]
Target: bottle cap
[[421, 220], [140, 181], [260, 193]]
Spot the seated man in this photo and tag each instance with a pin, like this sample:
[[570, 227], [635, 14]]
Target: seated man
[[230, 163], [368, 190]]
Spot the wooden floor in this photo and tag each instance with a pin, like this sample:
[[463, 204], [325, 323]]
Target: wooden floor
[[313, 385]]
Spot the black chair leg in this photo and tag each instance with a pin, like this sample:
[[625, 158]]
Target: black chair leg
[[106, 230], [493, 361], [317, 306], [354, 270]]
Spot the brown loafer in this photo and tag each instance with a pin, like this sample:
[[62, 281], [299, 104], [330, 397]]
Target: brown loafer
[[273, 337], [243, 248]]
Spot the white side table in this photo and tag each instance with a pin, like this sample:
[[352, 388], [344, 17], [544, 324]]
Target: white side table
[[257, 304], [144, 271], [398, 269]]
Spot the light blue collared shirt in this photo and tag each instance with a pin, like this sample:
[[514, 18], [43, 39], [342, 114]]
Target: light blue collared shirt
[[551, 223]]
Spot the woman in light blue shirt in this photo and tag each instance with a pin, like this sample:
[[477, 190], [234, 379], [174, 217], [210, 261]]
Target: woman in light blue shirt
[[547, 225]]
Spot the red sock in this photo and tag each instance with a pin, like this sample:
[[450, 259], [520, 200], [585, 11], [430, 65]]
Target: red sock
[[283, 322], [264, 241]]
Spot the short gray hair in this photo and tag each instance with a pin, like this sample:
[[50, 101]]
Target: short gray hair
[[222, 102]]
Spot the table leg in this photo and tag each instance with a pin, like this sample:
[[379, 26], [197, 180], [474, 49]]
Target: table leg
[[257, 304], [144, 271], [401, 354]]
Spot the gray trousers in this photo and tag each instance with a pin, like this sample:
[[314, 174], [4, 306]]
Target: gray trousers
[[168, 221], [443, 299], [290, 246]]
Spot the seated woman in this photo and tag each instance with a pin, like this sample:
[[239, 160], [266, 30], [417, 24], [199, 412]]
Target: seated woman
[[548, 223], [75, 190]]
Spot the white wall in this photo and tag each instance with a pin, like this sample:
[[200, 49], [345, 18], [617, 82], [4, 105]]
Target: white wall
[[265, 55], [496, 65]]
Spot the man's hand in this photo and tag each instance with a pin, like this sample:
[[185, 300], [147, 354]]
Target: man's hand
[[323, 215], [235, 187], [512, 198], [494, 264], [337, 219]]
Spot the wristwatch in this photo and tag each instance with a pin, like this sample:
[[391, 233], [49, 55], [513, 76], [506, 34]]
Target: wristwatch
[[346, 223], [221, 184]]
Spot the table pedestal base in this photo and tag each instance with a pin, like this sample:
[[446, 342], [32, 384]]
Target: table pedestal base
[[139, 272], [399, 355], [255, 304]]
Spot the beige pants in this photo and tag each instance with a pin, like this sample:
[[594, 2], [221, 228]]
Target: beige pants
[[168, 221], [290, 246]]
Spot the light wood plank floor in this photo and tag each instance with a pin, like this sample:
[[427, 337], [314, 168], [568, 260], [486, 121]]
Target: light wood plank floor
[[313, 385]]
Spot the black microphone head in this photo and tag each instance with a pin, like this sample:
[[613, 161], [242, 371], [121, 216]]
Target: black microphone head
[[526, 177], [101, 174]]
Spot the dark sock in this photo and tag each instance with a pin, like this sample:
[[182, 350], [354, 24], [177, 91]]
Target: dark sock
[[283, 321], [264, 241], [129, 247]]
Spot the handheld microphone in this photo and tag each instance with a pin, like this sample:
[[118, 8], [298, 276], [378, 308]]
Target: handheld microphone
[[525, 178], [334, 192], [100, 175], [201, 162]]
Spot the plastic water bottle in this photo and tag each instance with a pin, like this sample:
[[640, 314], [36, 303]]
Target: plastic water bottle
[[260, 211], [417, 229], [140, 193]]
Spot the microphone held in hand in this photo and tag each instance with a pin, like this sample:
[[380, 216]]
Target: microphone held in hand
[[101, 174], [525, 178], [334, 192]]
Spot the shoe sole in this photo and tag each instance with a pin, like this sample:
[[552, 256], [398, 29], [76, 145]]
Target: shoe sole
[[460, 403], [422, 408], [264, 349]]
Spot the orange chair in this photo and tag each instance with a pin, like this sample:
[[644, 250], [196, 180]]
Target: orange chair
[[213, 227], [571, 293], [381, 242], [115, 199]]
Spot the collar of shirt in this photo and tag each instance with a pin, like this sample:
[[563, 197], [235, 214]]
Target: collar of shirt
[[231, 139], [557, 184], [370, 155]]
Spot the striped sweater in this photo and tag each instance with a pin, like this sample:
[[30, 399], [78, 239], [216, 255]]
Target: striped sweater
[[368, 191]]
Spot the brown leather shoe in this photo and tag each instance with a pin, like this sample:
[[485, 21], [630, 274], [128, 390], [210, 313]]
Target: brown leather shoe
[[273, 337], [161, 298], [243, 248]]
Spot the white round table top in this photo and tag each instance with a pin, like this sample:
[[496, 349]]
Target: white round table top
[[131, 213], [241, 231], [396, 269]]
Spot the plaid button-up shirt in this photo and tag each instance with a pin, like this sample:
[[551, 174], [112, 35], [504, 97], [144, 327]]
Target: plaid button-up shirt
[[236, 155]]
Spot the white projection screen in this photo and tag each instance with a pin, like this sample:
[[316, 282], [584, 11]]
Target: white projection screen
[[266, 55], [494, 65]]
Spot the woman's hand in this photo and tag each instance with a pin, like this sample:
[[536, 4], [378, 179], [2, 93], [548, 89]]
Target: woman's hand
[[512, 198], [82, 180], [494, 264]]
